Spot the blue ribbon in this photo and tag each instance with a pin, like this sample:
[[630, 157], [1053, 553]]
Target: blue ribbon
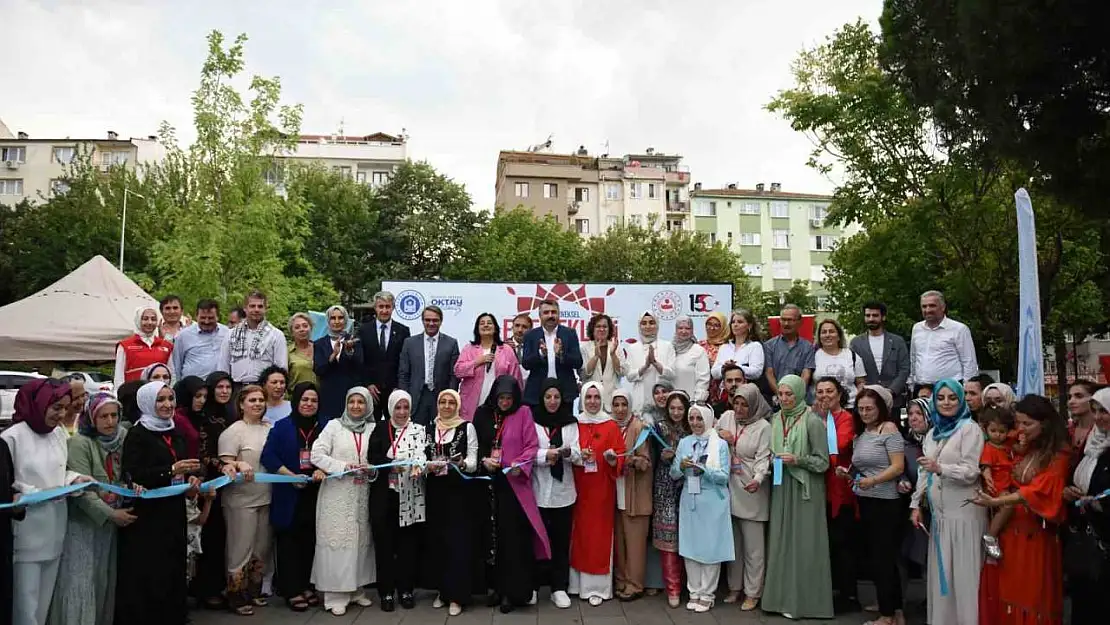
[[1079, 503], [465, 476], [662, 442], [640, 440], [776, 471], [936, 539]]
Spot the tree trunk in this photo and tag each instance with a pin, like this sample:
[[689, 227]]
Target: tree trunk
[[1062, 373]]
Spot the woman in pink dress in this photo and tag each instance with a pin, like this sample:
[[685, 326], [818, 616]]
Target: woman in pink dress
[[481, 362]]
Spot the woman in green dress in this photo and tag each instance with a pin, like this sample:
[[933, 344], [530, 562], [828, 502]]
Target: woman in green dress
[[799, 579], [300, 351], [86, 589]]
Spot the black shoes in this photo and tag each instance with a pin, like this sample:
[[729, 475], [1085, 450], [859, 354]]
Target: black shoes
[[407, 601], [507, 606], [388, 604]]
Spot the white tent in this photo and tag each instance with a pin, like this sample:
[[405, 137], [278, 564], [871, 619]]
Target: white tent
[[80, 317]]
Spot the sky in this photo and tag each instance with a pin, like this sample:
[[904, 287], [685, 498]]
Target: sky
[[464, 78]]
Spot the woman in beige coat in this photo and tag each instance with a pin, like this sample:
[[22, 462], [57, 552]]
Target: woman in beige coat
[[633, 502], [747, 430]]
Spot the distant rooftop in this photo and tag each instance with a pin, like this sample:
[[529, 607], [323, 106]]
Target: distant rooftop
[[763, 193], [377, 137]]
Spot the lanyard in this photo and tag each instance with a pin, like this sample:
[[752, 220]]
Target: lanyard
[[169, 443], [499, 427], [441, 435], [393, 445], [307, 436], [109, 467], [358, 444], [551, 432], [787, 427]]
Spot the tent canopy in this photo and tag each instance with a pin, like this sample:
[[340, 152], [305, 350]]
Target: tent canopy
[[80, 317]]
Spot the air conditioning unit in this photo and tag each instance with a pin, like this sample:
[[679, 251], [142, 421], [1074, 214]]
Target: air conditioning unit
[[816, 223], [11, 164]]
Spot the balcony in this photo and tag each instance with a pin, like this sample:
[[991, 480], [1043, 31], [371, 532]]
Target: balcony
[[678, 177], [678, 207], [573, 206]]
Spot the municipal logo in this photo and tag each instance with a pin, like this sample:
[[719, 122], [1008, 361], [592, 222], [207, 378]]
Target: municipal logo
[[667, 305], [409, 305]]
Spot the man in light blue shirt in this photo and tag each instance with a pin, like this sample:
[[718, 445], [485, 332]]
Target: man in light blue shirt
[[196, 350]]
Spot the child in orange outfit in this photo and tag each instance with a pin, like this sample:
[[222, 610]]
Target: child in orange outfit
[[997, 466]]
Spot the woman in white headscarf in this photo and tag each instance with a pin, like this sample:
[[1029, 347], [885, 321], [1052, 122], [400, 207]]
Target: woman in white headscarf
[[344, 561], [1090, 521], [705, 526], [337, 362], [647, 361], [142, 349], [691, 362]]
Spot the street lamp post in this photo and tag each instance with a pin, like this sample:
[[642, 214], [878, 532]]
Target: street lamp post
[[123, 223]]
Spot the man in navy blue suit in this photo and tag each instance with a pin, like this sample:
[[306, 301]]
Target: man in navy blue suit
[[551, 351]]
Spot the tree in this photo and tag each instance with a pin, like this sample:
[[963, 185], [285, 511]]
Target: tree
[[936, 217], [770, 303], [1026, 81], [516, 246]]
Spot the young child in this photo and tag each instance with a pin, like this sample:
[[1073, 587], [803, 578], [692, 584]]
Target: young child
[[197, 508], [997, 466]]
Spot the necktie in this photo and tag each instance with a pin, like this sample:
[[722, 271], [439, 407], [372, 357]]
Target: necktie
[[429, 362], [381, 337]]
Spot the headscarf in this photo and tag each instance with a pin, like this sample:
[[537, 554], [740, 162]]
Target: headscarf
[[33, 400], [622, 392], [86, 423], [552, 420], [346, 328], [395, 398], [757, 406], [682, 346], [148, 401], [357, 425], [796, 440], [643, 339], [148, 371], [302, 421], [600, 416], [926, 410], [184, 391], [1097, 442], [147, 338], [652, 413], [1008, 396], [214, 411], [709, 436], [126, 394], [884, 393], [724, 335], [453, 420], [504, 385], [945, 427]]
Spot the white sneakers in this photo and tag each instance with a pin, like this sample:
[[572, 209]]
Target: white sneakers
[[595, 601], [535, 597], [454, 610], [438, 603], [560, 599]]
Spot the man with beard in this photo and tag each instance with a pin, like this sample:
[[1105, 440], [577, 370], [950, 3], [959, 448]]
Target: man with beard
[[886, 359], [197, 349], [522, 323], [253, 345], [732, 376], [551, 351]]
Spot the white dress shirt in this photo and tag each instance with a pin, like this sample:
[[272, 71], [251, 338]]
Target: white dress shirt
[[945, 351], [430, 344], [749, 356], [551, 493], [549, 339], [386, 326], [876, 343]]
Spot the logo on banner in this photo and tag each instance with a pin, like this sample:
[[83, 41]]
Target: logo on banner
[[703, 303], [409, 305], [449, 303], [667, 305]]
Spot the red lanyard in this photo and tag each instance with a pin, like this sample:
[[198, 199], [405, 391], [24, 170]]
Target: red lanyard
[[307, 437], [358, 444], [786, 428], [393, 446], [108, 467], [441, 435], [169, 443], [551, 432], [500, 427]]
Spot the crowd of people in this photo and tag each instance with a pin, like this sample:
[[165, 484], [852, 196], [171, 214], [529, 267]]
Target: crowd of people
[[611, 467]]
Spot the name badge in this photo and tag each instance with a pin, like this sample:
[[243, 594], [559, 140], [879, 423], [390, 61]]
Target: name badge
[[306, 459], [496, 454], [590, 465], [360, 479], [177, 480], [112, 499], [394, 480], [693, 484], [442, 470]]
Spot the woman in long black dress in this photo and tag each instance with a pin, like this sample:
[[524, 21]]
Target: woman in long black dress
[[7, 539], [211, 574], [151, 584]]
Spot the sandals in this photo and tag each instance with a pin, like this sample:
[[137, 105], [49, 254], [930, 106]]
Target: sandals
[[312, 598], [244, 610], [259, 602], [297, 604]]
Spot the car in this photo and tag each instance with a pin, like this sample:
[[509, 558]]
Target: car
[[10, 381], [94, 380]]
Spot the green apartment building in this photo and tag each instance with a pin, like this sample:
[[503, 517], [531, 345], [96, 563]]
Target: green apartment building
[[780, 236]]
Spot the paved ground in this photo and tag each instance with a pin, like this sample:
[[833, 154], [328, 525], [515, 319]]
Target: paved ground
[[647, 611]]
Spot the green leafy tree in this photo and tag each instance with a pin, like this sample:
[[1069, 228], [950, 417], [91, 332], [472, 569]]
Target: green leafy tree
[[516, 246], [770, 303]]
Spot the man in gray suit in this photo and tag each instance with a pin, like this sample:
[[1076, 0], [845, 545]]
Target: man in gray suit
[[886, 359], [427, 366]]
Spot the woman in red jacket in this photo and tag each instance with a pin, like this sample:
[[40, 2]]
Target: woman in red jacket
[[142, 349], [842, 510]]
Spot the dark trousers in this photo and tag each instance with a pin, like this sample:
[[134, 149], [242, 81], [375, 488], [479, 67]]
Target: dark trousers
[[556, 571], [883, 521], [842, 531], [296, 547], [382, 403], [210, 578], [426, 406], [396, 549]]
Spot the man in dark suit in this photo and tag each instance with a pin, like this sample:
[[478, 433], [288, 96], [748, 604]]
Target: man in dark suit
[[427, 366], [551, 351], [886, 359], [381, 341]]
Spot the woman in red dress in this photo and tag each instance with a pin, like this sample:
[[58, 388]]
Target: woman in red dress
[[1030, 541]]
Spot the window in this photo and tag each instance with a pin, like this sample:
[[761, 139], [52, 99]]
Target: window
[[521, 189], [754, 271], [612, 221], [581, 194], [728, 237], [822, 302], [107, 159], [345, 171], [749, 208], [582, 226], [636, 220], [17, 154], [11, 186], [675, 224], [550, 190], [728, 204], [823, 242], [780, 269], [780, 210], [636, 190], [711, 211], [360, 177], [59, 187], [379, 179], [651, 190], [819, 212], [817, 273], [612, 191], [749, 238], [272, 175], [780, 239], [712, 237], [64, 154]]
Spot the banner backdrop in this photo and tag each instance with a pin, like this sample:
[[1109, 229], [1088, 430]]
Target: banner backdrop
[[462, 302]]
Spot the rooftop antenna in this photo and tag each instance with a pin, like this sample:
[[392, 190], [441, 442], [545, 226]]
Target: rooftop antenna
[[341, 121], [540, 147]]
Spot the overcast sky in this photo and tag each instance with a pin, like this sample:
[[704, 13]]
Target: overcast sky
[[465, 78]]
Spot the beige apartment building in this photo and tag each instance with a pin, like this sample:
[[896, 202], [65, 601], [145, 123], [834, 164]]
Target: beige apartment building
[[31, 168], [591, 194], [369, 159]]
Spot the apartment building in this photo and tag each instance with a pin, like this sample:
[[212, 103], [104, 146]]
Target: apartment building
[[369, 159], [31, 168], [780, 236], [591, 194]]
